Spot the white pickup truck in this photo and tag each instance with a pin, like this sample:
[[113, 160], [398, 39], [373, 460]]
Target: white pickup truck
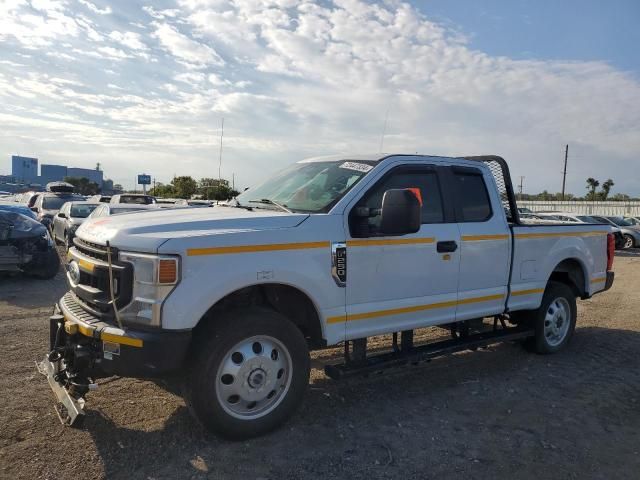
[[332, 250]]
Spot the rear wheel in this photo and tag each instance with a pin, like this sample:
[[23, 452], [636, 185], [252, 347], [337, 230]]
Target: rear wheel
[[555, 321], [628, 241], [249, 373]]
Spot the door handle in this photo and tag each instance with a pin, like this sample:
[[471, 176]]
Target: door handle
[[446, 246]]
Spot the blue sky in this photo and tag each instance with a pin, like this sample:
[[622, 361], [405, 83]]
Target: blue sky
[[143, 86]]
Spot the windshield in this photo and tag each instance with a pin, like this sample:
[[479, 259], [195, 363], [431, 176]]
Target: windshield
[[587, 219], [82, 211], [137, 199], [55, 202], [621, 222], [307, 187]]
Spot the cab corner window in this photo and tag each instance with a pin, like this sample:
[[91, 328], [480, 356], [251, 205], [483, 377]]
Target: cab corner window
[[472, 198], [365, 217]]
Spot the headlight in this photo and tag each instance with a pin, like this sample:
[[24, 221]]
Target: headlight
[[154, 278]]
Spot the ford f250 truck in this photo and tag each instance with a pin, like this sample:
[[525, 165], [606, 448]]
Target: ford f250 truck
[[332, 250]]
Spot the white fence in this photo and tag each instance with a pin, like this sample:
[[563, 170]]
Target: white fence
[[585, 208]]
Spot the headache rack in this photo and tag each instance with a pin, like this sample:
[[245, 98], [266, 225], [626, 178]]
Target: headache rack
[[500, 171]]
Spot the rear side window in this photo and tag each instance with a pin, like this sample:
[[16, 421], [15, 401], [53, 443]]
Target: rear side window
[[472, 197]]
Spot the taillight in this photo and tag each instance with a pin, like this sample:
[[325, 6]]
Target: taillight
[[611, 246]]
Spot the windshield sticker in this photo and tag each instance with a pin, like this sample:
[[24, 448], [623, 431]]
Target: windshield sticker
[[358, 167]]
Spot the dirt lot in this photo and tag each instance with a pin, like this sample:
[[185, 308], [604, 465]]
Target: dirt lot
[[500, 412]]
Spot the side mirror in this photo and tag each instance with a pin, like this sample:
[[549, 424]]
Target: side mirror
[[62, 215], [34, 209], [401, 212]]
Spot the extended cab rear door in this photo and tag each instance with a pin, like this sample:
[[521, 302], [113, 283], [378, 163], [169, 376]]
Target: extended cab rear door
[[485, 248], [396, 283]]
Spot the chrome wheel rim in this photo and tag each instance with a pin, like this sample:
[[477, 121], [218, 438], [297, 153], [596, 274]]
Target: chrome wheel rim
[[628, 242], [557, 321], [254, 377]]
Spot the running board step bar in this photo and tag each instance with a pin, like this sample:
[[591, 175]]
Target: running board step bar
[[421, 353]]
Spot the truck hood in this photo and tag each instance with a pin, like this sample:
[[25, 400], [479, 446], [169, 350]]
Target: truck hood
[[145, 231]]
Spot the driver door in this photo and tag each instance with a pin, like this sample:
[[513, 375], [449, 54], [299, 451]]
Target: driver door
[[397, 283]]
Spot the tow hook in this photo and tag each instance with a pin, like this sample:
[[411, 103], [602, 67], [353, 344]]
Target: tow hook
[[68, 387]]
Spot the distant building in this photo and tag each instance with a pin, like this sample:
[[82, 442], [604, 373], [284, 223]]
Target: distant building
[[107, 186], [52, 173], [24, 169], [7, 179], [95, 176]]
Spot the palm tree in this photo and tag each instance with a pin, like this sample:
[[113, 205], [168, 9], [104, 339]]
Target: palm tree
[[592, 184], [606, 187]]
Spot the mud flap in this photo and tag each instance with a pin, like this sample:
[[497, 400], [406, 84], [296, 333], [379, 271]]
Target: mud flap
[[69, 409]]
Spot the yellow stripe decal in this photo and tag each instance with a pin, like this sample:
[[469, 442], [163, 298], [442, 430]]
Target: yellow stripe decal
[[132, 342], [560, 234], [255, 248], [478, 238], [528, 292], [396, 241], [86, 265], [416, 308], [598, 280]]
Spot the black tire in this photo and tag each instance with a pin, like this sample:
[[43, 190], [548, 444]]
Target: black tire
[[213, 350], [628, 242], [545, 342]]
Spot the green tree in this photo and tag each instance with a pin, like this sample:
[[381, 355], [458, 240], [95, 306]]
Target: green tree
[[83, 186], [184, 186], [606, 188], [592, 184], [161, 190]]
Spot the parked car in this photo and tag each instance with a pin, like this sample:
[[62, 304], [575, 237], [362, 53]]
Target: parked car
[[107, 209], [134, 198], [18, 208], [25, 245], [99, 199], [630, 233], [68, 219], [332, 250], [48, 204], [194, 203], [633, 220]]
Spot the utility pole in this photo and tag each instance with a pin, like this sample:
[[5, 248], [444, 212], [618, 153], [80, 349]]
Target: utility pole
[[521, 181], [233, 181], [564, 173]]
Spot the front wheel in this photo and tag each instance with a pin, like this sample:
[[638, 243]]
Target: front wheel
[[628, 241], [249, 373], [555, 321]]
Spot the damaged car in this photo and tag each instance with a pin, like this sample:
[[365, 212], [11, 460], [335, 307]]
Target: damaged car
[[26, 246]]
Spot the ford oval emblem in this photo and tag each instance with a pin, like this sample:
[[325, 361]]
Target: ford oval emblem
[[74, 272]]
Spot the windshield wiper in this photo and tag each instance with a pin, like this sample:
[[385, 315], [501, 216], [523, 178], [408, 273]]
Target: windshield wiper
[[267, 201]]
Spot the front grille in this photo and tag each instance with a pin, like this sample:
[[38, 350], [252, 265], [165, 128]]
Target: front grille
[[92, 293], [95, 250]]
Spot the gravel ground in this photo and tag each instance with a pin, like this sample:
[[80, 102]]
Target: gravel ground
[[499, 412]]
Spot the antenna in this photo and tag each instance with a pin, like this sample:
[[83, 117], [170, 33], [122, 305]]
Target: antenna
[[564, 173], [220, 155], [384, 130]]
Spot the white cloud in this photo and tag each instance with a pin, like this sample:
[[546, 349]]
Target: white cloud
[[184, 47], [131, 40], [95, 9], [300, 78]]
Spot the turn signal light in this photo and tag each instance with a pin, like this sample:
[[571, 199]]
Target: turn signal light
[[167, 271]]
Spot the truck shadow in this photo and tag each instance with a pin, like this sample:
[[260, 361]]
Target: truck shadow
[[436, 417]]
